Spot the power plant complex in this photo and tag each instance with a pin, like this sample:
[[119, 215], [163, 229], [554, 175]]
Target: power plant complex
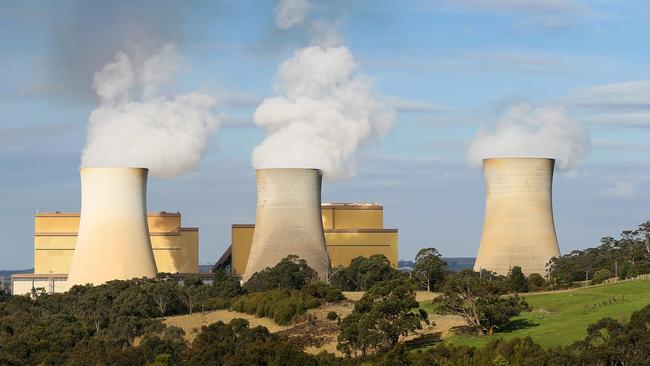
[[115, 238], [351, 230], [518, 229]]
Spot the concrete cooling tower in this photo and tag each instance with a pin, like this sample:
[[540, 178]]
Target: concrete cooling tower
[[288, 220], [113, 240], [518, 229]]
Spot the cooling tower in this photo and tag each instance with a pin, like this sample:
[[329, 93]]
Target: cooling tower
[[113, 240], [288, 220], [518, 229]]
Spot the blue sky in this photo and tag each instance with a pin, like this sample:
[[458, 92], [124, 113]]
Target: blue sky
[[448, 67]]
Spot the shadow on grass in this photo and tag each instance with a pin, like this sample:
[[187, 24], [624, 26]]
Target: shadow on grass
[[516, 325], [511, 326], [424, 340]]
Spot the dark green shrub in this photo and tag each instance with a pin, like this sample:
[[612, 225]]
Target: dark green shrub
[[282, 305], [291, 273], [323, 291], [600, 276], [217, 303], [332, 315], [536, 282]]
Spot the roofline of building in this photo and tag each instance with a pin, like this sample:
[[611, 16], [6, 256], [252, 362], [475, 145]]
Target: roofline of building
[[65, 275], [351, 206], [39, 275], [151, 233], [334, 231], [77, 214], [365, 231]]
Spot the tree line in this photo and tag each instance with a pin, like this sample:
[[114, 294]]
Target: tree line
[[622, 258], [99, 325], [118, 323]]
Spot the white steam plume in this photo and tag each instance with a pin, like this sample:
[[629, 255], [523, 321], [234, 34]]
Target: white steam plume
[[135, 126], [325, 110], [524, 131], [289, 13]]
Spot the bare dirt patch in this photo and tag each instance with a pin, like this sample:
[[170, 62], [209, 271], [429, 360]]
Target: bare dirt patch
[[312, 331], [192, 324]]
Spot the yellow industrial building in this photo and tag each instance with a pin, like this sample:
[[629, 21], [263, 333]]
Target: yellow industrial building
[[351, 230], [175, 248]]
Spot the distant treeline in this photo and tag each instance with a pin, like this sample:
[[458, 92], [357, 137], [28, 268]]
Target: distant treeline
[[453, 264], [622, 258]]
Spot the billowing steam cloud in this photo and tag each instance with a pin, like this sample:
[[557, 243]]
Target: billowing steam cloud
[[525, 131], [325, 109], [136, 126]]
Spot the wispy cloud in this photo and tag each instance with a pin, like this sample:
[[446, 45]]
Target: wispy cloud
[[629, 95], [480, 61], [411, 106], [531, 14], [620, 145], [625, 104], [526, 6], [621, 189]]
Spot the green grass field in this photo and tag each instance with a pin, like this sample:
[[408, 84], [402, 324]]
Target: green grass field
[[562, 318]]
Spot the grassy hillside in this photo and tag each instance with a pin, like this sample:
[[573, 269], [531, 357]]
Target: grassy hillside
[[562, 318]]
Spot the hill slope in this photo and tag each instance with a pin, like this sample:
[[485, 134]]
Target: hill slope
[[562, 318]]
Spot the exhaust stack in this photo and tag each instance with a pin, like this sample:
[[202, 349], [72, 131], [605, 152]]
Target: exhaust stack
[[113, 241], [288, 220], [518, 229]]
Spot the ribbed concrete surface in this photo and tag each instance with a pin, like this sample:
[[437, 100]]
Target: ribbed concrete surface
[[113, 240], [288, 220], [518, 229]]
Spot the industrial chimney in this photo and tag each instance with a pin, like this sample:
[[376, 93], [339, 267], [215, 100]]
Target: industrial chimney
[[113, 240], [288, 220], [518, 229]]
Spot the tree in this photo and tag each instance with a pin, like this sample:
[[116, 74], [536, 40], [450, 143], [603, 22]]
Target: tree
[[627, 270], [536, 282], [236, 344], [291, 273], [363, 273], [600, 276], [517, 280], [385, 313], [479, 301], [162, 293], [192, 293], [225, 285], [429, 268]]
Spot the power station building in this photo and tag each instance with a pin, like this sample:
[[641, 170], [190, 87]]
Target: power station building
[[175, 249], [351, 230]]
